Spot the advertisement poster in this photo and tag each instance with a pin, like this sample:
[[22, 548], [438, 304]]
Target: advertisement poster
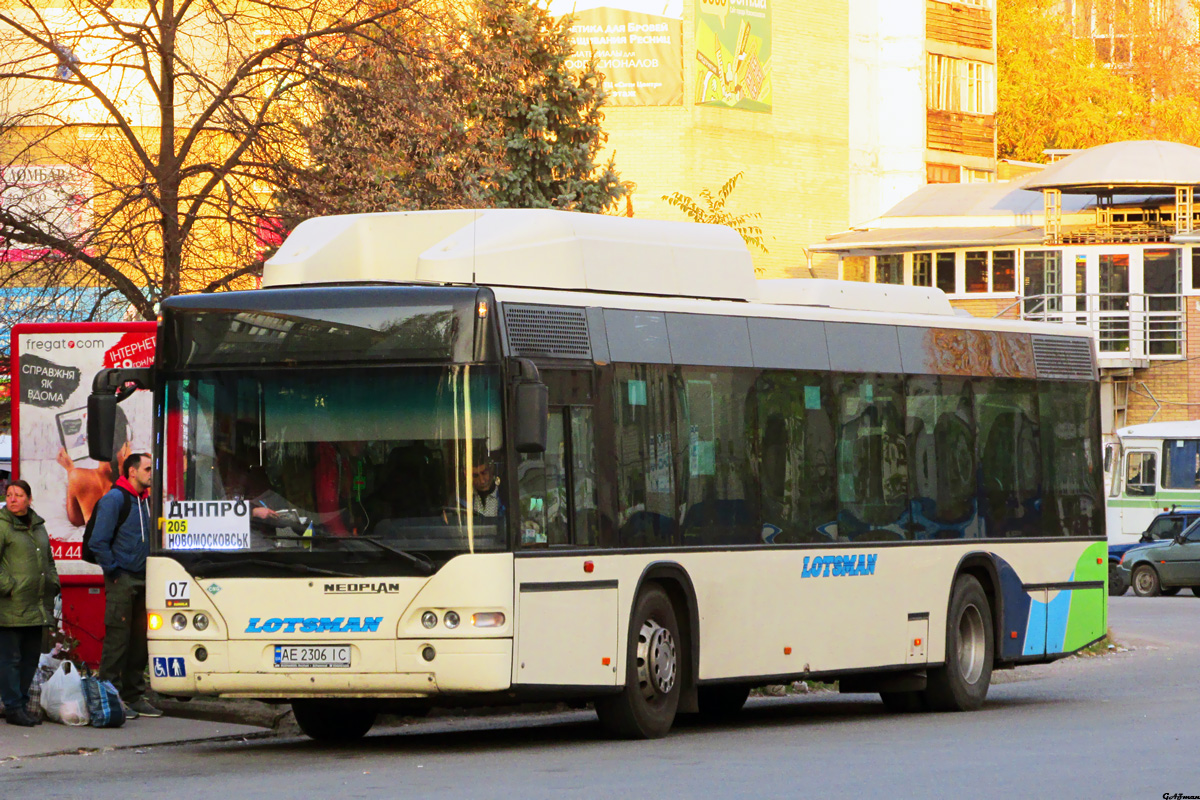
[[53, 366], [733, 48], [637, 44]]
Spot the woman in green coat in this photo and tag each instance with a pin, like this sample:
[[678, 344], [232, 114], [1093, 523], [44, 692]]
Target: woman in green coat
[[28, 583]]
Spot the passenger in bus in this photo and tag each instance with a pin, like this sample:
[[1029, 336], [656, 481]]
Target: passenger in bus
[[334, 486]]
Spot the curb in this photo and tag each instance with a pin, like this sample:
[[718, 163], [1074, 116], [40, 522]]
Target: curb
[[87, 751]]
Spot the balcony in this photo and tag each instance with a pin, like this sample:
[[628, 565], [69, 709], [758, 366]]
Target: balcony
[[1131, 330]]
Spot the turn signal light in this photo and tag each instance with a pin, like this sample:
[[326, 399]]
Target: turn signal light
[[154, 621], [488, 619], [916, 642]]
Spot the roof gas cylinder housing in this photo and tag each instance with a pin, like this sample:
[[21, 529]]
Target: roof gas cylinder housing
[[562, 250], [537, 248]]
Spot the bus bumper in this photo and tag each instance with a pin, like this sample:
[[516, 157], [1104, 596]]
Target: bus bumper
[[378, 669]]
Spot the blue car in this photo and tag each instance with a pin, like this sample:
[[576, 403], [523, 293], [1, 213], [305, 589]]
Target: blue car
[[1165, 527]]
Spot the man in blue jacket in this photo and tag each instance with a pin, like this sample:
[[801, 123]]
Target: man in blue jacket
[[121, 547]]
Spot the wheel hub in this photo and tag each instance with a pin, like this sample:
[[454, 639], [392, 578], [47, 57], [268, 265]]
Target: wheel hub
[[971, 645], [657, 659]]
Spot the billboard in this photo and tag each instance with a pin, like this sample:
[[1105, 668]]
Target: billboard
[[54, 197], [733, 48], [52, 370], [637, 44]]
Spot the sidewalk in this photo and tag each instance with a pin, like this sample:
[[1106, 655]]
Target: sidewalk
[[52, 739]]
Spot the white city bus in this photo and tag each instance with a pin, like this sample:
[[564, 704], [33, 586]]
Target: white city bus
[[490, 456], [1156, 468]]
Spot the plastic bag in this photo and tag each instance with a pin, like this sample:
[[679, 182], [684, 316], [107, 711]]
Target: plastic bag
[[103, 703], [62, 696]]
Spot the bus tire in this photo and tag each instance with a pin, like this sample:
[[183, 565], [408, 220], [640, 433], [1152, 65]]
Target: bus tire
[[961, 684], [723, 701], [1196, 591], [645, 708], [1145, 581], [908, 702], [1116, 583], [328, 721]]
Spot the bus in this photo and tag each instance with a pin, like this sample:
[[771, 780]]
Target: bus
[[1156, 469], [493, 456]]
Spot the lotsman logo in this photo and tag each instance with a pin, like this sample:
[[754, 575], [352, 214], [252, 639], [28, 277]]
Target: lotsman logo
[[314, 625], [839, 566]]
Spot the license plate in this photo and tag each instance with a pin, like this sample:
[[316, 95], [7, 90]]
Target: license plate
[[329, 656]]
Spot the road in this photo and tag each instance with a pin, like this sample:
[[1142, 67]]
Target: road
[[1121, 725]]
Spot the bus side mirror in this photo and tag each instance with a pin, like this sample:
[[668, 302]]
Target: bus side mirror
[[110, 387], [532, 409], [531, 406], [101, 425]]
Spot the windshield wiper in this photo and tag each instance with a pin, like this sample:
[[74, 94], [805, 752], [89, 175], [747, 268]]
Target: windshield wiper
[[208, 568], [422, 562]]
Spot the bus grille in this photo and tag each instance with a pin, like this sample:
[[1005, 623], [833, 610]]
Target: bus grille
[[547, 331], [1064, 358]]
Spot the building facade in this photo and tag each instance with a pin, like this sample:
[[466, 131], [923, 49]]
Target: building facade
[[1113, 248], [832, 112]]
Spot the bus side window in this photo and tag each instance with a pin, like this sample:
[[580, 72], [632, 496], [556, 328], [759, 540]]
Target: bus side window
[[1140, 474]]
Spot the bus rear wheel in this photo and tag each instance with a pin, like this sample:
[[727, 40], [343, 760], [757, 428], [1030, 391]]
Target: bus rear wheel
[[961, 684], [331, 721], [645, 708]]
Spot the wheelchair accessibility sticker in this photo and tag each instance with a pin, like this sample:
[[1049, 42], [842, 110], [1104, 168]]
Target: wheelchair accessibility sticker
[[169, 667]]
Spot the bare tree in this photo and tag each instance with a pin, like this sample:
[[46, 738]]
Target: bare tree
[[137, 139]]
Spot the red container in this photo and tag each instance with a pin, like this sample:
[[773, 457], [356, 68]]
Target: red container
[[83, 615]]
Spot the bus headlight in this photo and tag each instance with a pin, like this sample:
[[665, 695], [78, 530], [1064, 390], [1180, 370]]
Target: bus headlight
[[429, 619], [451, 619], [200, 622], [179, 622], [488, 619]]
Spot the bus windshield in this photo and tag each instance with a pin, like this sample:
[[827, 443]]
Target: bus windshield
[[350, 470]]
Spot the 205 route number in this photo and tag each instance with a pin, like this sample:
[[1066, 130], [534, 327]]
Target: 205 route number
[[330, 656]]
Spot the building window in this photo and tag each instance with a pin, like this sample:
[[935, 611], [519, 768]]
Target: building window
[[922, 269], [855, 268], [945, 272], [941, 173], [1004, 271], [977, 271], [890, 269], [1043, 281], [958, 84], [1196, 267], [977, 175]]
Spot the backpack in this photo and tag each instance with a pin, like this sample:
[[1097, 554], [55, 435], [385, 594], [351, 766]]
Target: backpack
[[85, 552]]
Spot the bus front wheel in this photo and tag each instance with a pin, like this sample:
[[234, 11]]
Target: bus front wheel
[[645, 708], [331, 721], [961, 684]]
